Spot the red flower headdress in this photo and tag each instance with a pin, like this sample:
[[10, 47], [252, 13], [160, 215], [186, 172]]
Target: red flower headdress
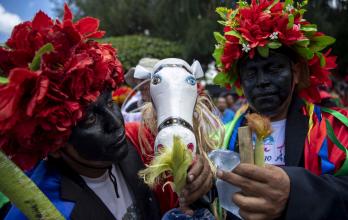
[[270, 24], [54, 70]]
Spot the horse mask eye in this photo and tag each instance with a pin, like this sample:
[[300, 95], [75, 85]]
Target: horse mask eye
[[191, 80], [156, 79]]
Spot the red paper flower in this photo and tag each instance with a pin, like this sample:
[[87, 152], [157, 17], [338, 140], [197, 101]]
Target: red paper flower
[[231, 52], [287, 36], [255, 25], [42, 103]]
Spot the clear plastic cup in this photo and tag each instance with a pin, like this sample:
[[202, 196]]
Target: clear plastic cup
[[226, 160]]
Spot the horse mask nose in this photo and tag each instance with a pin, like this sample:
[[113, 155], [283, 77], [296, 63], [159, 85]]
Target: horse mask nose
[[174, 104], [164, 138]]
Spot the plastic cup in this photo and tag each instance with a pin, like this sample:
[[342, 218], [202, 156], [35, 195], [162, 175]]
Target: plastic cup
[[226, 160]]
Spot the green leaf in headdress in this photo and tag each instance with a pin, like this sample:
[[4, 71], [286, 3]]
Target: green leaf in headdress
[[3, 80], [234, 33], [303, 3], [319, 43], [219, 38], [309, 28], [233, 14], [302, 11], [305, 52], [242, 3], [272, 5], [288, 2], [291, 21], [322, 59], [35, 64], [224, 23], [221, 79], [263, 51], [303, 42], [222, 11], [274, 45], [217, 55]]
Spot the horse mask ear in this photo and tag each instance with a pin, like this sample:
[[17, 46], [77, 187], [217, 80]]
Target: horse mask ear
[[141, 73], [197, 69]]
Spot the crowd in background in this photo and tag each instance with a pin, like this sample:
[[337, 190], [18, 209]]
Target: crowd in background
[[132, 96]]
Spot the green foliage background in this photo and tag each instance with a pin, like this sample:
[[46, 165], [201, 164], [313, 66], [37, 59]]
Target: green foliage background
[[332, 21], [191, 23], [132, 48]]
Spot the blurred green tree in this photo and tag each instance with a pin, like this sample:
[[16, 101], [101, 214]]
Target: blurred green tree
[[331, 16], [191, 23], [188, 22], [132, 48]]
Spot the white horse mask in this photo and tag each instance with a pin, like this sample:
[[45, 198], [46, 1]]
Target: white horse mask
[[173, 91]]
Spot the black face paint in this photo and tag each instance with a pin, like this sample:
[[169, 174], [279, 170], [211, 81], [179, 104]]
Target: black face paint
[[100, 136], [267, 82]]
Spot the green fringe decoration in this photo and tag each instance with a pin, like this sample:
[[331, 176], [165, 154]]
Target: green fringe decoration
[[24, 194], [3, 200], [173, 161]]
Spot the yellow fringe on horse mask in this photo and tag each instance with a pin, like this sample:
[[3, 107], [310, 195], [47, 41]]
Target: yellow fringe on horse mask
[[182, 121]]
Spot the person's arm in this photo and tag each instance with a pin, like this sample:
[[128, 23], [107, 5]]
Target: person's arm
[[316, 197]]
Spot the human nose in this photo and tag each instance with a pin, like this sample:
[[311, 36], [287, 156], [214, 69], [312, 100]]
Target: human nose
[[262, 79], [111, 121]]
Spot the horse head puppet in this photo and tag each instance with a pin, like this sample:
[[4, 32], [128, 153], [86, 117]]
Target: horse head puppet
[[177, 109], [173, 90]]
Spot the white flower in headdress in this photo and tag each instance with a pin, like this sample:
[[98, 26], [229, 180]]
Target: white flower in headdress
[[289, 8], [246, 48], [274, 36]]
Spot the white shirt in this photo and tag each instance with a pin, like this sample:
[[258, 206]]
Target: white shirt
[[275, 144], [104, 189]]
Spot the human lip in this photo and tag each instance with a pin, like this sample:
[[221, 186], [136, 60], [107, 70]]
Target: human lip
[[264, 95]]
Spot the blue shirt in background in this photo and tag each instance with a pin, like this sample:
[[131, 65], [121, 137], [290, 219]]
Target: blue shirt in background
[[227, 116]]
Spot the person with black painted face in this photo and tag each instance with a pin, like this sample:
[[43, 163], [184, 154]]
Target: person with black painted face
[[262, 56], [101, 135], [98, 161], [280, 189], [58, 121], [268, 84]]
